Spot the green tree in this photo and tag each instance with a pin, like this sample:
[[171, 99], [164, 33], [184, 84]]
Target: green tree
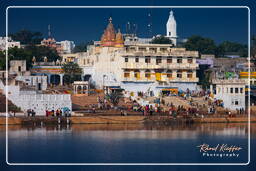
[[232, 47], [30, 51], [114, 97], [27, 37], [72, 72], [161, 40], [82, 47], [2, 61], [253, 48], [201, 44]]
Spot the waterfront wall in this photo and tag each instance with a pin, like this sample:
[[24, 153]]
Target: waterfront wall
[[120, 120]]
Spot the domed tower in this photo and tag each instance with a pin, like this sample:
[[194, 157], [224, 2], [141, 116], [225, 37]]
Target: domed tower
[[171, 29], [109, 36], [119, 39]]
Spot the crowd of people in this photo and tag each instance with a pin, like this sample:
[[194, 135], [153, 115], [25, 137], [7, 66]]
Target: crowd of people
[[57, 113]]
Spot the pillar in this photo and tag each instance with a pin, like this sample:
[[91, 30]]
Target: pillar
[[61, 79], [49, 78]]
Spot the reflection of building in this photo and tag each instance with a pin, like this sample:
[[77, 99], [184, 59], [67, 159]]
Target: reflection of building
[[10, 43], [139, 67], [231, 91]]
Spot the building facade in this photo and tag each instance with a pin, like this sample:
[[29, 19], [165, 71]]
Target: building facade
[[230, 91], [148, 68]]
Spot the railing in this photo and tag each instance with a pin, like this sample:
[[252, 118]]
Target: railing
[[143, 65]]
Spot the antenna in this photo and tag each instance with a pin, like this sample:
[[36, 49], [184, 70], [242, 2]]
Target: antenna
[[128, 27], [149, 26], [49, 30], [135, 26]]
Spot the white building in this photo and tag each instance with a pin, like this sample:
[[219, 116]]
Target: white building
[[140, 67], [67, 46], [18, 67], [171, 29], [10, 44], [39, 102], [231, 92], [39, 82]]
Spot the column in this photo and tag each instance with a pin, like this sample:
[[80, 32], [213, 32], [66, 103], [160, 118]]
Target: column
[[49, 78], [61, 79]]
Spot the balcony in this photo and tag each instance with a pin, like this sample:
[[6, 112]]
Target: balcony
[[143, 65]]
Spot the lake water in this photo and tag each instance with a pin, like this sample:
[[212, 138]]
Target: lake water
[[127, 143]]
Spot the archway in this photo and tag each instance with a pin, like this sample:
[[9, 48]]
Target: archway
[[79, 90]]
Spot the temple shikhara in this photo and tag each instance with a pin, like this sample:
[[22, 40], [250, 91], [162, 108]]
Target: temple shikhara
[[110, 38]]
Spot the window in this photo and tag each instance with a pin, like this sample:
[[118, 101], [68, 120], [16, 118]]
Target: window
[[147, 59], [169, 60], [236, 102], [158, 60], [190, 60], [190, 74], [241, 90], [19, 68], [136, 59], [179, 60], [179, 74], [227, 90], [147, 74], [126, 74], [137, 74], [231, 90], [236, 90], [169, 74], [218, 90], [126, 59]]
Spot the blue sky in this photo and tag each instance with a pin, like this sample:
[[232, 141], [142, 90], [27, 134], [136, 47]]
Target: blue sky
[[82, 25]]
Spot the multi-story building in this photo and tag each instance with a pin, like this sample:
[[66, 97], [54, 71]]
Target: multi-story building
[[148, 68]]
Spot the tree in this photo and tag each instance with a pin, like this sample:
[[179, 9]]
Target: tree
[[231, 47], [27, 37], [161, 40], [2, 61], [253, 48], [201, 44], [72, 72], [82, 47], [114, 97], [30, 51]]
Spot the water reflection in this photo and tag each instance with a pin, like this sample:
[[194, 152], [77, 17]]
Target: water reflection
[[130, 131]]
